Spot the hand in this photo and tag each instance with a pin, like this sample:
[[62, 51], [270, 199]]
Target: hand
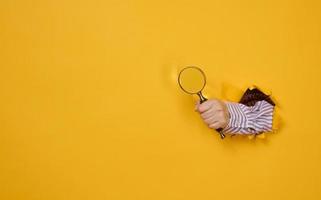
[[214, 112]]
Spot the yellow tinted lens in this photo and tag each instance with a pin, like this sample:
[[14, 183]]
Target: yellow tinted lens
[[192, 80]]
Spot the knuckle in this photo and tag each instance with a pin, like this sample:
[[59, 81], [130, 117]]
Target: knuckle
[[215, 126], [201, 107], [221, 124], [209, 121]]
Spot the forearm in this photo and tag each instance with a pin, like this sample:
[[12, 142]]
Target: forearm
[[249, 120]]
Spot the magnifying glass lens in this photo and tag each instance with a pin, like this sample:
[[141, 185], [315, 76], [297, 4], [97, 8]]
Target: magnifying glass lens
[[192, 80]]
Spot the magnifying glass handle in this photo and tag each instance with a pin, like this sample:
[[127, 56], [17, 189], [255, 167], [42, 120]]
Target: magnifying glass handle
[[220, 131], [202, 100]]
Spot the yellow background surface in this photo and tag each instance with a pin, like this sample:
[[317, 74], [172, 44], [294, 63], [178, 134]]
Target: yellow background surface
[[90, 108]]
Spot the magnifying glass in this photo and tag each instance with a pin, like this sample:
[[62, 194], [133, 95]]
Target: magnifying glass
[[192, 80]]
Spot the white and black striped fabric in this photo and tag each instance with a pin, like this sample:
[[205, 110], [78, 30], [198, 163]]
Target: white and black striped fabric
[[249, 119]]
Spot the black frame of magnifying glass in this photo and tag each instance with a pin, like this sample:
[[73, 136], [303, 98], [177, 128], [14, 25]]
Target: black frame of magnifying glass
[[199, 93]]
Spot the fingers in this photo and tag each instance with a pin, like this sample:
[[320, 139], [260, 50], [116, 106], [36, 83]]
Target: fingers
[[210, 113], [215, 125], [207, 114], [213, 113], [213, 103], [211, 120], [205, 106]]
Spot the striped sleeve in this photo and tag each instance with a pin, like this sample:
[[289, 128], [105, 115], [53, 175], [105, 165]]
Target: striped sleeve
[[249, 119]]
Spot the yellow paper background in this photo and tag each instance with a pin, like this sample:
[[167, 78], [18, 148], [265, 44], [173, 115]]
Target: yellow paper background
[[90, 108]]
